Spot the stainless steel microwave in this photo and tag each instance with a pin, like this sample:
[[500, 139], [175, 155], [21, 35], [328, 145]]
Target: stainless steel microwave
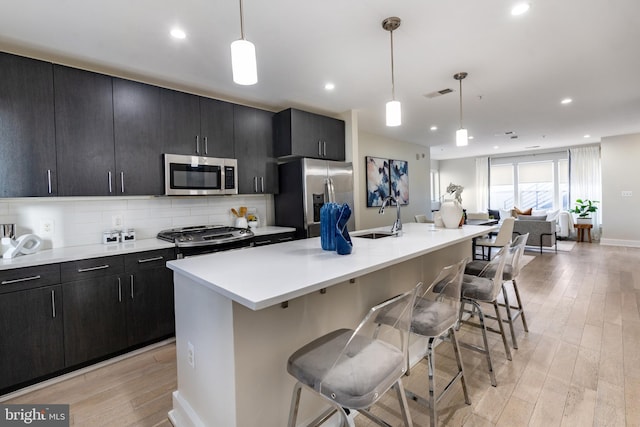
[[199, 176]]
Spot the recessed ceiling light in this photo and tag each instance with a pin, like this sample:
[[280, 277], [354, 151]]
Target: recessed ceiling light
[[177, 33], [520, 8], [566, 101], [587, 136], [495, 147], [329, 86], [471, 137], [434, 128]]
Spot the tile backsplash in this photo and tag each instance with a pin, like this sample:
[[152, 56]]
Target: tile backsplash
[[81, 221]]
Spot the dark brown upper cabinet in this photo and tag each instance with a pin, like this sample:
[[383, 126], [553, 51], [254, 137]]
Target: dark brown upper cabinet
[[300, 133], [27, 132], [84, 133]]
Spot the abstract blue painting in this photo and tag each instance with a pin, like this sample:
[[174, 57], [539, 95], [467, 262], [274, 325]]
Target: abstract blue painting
[[400, 181], [378, 182]]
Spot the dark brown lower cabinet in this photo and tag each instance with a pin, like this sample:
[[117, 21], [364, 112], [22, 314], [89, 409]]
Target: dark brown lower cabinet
[[31, 343], [94, 319], [150, 304]]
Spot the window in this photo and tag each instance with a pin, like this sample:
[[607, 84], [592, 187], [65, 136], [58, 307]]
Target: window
[[539, 182], [501, 187], [535, 185], [435, 186]]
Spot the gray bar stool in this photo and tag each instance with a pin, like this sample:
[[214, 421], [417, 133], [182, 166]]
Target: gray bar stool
[[435, 316], [353, 369], [485, 288], [510, 273]]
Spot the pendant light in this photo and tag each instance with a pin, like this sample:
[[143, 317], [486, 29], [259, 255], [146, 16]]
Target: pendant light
[[394, 110], [462, 137], [243, 58]]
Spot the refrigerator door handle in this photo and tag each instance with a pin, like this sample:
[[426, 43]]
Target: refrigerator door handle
[[330, 191]]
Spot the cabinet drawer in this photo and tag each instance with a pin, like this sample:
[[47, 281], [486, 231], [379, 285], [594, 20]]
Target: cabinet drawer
[[148, 260], [29, 277], [94, 267], [270, 239]]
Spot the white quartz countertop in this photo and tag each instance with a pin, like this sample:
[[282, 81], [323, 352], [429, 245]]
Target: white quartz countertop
[[74, 253], [264, 276]]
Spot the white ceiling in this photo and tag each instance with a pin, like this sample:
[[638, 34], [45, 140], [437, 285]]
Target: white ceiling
[[519, 67]]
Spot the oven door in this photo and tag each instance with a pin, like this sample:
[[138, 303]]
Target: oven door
[[195, 175]]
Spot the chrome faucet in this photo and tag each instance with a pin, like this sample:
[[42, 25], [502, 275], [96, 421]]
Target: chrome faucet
[[396, 228]]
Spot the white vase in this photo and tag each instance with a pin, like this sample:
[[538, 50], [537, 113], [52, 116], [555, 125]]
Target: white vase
[[583, 220], [451, 212]]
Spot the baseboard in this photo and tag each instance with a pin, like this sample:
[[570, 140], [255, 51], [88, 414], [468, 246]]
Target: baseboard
[[620, 242]]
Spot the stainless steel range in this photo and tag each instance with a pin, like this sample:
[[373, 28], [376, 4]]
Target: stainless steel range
[[203, 239]]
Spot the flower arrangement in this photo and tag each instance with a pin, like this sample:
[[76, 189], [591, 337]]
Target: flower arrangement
[[456, 190]]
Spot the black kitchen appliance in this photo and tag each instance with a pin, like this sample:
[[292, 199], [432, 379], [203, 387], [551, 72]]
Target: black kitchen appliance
[[204, 239]]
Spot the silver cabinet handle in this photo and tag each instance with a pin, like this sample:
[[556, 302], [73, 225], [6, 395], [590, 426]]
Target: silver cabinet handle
[[110, 189], [49, 180], [319, 148], [122, 182], [262, 184], [324, 148], [255, 184], [158, 258], [131, 285], [285, 239], [119, 290], [100, 267], [197, 144], [206, 145], [262, 242], [53, 304], [23, 279]]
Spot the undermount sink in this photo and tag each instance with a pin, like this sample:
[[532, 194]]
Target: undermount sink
[[376, 235]]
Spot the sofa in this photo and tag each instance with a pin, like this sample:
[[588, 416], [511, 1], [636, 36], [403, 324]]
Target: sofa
[[542, 233]]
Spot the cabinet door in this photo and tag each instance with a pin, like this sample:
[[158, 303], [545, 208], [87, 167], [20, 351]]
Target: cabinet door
[[138, 147], [257, 168], [333, 137], [304, 134], [84, 132], [27, 136], [150, 304], [31, 335], [216, 124], [179, 121], [94, 318]]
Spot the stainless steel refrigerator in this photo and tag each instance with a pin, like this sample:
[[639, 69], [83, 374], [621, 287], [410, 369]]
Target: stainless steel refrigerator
[[305, 185]]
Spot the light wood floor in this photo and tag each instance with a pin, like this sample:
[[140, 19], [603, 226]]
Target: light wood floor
[[579, 365], [132, 392]]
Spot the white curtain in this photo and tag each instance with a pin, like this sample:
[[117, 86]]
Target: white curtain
[[586, 179], [482, 184]]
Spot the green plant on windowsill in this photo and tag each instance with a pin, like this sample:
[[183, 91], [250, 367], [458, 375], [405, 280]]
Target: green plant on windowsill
[[585, 207]]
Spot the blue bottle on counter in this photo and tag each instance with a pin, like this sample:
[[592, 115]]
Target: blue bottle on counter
[[328, 218]]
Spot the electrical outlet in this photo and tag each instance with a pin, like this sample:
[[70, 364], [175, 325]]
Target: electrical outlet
[[46, 226], [627, 193], [116, 221], [191, 355]]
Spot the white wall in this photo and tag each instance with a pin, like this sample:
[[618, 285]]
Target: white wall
[[460, 172], [419, 187], [620, 156], [81, 221]]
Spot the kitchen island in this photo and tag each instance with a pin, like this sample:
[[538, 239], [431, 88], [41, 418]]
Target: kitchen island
[[241, 314]]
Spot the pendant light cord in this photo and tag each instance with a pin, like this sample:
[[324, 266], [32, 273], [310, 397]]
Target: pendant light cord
[[241, 21], [393, 80], [460, 103]]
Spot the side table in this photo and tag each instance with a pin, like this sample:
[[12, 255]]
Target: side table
[[581, 228]]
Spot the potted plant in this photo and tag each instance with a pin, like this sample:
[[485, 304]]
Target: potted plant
[[583, 209]]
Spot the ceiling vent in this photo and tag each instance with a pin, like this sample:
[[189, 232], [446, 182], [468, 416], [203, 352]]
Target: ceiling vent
[[438, 93]]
